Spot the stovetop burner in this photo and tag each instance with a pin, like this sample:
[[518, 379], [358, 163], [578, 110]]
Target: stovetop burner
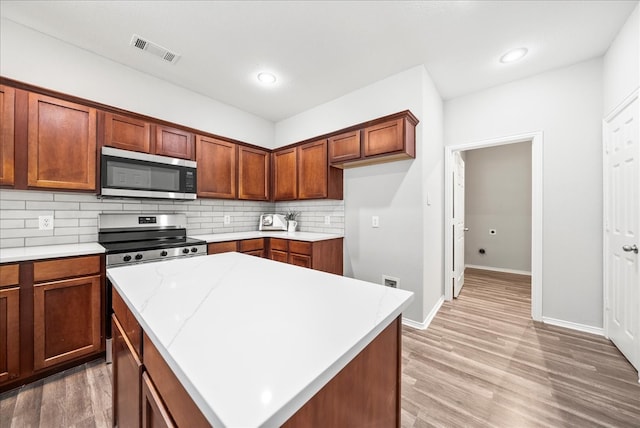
[[139, 238]]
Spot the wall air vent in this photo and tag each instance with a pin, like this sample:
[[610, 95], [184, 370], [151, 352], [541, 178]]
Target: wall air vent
[[155, 49]]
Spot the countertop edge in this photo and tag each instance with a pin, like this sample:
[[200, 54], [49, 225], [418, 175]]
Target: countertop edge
[[25, 254]]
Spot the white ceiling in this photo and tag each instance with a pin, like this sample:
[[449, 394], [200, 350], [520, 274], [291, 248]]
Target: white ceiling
[[321, 50]]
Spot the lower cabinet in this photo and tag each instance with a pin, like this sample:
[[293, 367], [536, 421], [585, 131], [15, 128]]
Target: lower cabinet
[[253, 247], [323, 255], [154, 414], [127, 369], [9, 332]]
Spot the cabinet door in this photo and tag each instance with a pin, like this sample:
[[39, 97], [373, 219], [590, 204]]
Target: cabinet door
[[216, 168], [300, 260], [67, 318], [280, 256], [313, 170], [344, 147], [127, 133], [154, 413], [9, 334], [285, 179], [7, 141], [222, 247], [127, 369], [253, 174], [384, 138], [174, 142], [62, 144]]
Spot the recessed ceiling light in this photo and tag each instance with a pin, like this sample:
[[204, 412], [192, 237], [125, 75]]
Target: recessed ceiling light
[[514, 55], [266, 78]]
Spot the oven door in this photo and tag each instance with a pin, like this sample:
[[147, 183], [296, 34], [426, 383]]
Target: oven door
[[141, 175]]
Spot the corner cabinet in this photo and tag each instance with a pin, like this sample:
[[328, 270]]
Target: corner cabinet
[[9, 323], [61, 134], [216, 168], [253, 174], [7, 135], [285, 169]]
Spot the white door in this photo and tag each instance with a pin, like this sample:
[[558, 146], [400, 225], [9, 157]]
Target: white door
[[458, 224], [622, 218]]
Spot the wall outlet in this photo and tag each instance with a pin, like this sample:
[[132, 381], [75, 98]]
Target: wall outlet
[[390, 281], [45, 222], [375, 221], [327, 219], [492, 232], [227, 219]]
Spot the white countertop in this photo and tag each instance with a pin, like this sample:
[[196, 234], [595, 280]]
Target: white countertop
[[297, 236], [20, 254], [251, 339]]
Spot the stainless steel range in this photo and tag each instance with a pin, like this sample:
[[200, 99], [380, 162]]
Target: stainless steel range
[[140, 238]]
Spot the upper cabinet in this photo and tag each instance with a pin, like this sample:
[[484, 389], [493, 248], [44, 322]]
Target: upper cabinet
[[285, 168], [127, 133], [174, 143], [253, 174], [61, 144], [383, 140], [303, 172], [216, 168], [7, 141]]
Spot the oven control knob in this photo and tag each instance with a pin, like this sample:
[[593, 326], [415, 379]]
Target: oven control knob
[[126, 258], [194, 250], [138, 256], [185, 250], [163, 253]]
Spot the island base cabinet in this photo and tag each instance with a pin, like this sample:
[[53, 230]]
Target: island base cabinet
[[127, 371], [154, 414], [366, 393]]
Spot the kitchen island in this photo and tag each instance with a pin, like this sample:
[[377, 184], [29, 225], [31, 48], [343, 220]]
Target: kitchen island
[[255, 342]]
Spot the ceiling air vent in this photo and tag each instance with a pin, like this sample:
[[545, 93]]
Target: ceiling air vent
[[155, 49]]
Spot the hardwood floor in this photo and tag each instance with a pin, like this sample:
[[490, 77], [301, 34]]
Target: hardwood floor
[[484, 363], [481, 363], [79, 397]]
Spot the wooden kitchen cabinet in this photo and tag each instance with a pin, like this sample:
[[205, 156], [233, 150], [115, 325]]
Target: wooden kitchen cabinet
[[174, 143], [222, 247], [344, 147], [127, 133], [253, 174], [253, 247], [9, 323], [323, 255], [61, 144], [154, 413], [285, 170], [67, 310], [216, 168], [7, 135], [127, 371]]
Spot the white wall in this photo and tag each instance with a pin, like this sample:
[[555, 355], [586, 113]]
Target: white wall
[[35, 58], [566, 105], [498, 196], [394, 191], [622, 63]]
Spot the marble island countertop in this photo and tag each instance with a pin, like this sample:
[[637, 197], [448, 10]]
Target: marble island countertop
[[251, 339]]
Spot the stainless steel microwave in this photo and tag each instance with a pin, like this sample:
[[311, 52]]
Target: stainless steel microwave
[[140, 175]]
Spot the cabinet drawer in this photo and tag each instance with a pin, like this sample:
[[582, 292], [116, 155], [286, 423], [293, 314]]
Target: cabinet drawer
[[222, 247], [251, 245], [66, 268], [300, 247], [300, 260], [279, 244], [9, 275]]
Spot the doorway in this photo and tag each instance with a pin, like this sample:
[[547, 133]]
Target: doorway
[[451, 153]]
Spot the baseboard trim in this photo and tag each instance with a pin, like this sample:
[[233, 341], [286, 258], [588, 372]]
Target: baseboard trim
[[423, 325], [574, 326], [495, 269]]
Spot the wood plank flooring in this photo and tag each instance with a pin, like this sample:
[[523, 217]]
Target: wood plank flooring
[[481, 363], [484, 363]]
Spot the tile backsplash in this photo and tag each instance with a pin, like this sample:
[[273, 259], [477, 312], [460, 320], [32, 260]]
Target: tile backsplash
[[76, 215]]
